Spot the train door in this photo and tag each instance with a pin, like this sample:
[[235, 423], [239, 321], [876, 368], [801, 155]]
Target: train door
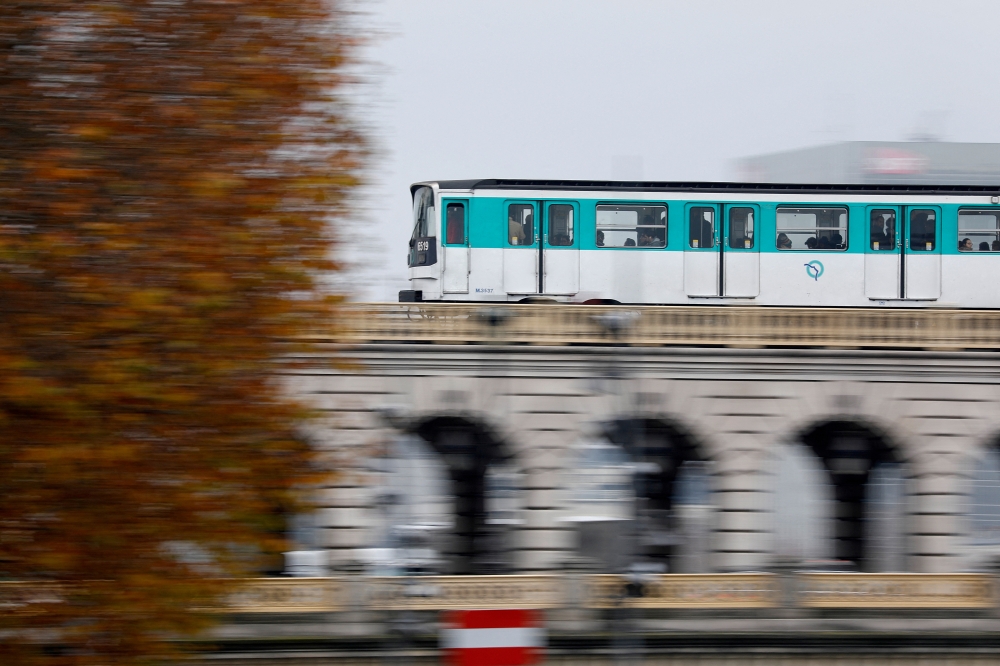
[[701, 251], [922, 253], [903, 254], [883, 253], [560, 249], [740, 252], [456, 247], [521, 254]]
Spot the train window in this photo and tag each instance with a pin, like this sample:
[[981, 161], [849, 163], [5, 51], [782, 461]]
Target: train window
[[978, 231], [811, 229], [455, 224], [923, 235], [741, 228], [520, 224], [423, 247], [702, 219], [561, 225], [631, 226], [882, 235]]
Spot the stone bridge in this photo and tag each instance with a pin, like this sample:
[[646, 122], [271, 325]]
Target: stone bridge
[[731, 389], [694, 485]]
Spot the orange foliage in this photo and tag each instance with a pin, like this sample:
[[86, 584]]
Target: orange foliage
[[168, 174]]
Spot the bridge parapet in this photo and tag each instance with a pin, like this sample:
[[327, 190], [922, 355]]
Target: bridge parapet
[[732, 326], [665, 591]]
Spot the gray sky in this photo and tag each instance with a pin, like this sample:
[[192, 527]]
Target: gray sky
[[653, 89]]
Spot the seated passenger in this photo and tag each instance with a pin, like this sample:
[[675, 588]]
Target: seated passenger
[[646, 239], [996, 246], [515, 232], [811, 242], [837, 242], [965, 245], [629, 242], [824, 243], [784, 242], [984, 247], [600, 239]]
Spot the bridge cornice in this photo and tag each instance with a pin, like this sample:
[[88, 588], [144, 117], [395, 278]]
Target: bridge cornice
[[930, 328], [963, 367]]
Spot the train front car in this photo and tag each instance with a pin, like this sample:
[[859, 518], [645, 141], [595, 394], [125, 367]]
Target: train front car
[[705, 243]]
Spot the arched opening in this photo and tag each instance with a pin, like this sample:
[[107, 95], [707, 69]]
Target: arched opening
[[867, 487], [415, 507], [983, 510], [483, 491], [885, 518], [671, 481], [804, 507]]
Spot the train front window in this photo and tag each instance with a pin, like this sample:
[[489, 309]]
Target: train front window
[[561, 227], [978, 231], [423, 246], [520, 224], [811, 229], [923, 228], [882, 234], [423, 207], [631, 226], [741, 228], [702, 227]]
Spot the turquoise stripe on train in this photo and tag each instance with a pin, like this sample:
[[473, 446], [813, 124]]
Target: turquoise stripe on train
[[487, 223]]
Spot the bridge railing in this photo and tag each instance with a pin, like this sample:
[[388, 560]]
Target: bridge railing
[[733, 326], [668, 591]]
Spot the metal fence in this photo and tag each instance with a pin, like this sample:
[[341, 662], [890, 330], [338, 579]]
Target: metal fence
[[542, 324]]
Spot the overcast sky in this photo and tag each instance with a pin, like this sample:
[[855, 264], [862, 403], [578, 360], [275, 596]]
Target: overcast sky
[[651, 89]]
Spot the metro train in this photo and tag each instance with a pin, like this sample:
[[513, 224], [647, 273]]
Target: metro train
[[705, 243]]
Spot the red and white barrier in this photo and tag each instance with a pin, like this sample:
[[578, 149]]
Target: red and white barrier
[[493, 637]]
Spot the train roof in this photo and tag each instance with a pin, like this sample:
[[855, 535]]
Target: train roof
[[681, 186]]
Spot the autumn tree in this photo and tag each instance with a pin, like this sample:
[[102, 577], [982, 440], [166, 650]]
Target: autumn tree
[[169, 172]]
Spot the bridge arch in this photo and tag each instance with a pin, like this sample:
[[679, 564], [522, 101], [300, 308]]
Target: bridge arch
[[979, 505], [470, 451], [863, 475], [673, 489]]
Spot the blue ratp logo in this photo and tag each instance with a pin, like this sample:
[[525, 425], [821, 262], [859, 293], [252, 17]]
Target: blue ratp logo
[[814, 269]]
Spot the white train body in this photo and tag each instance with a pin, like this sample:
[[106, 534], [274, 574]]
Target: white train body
[[703, 243]]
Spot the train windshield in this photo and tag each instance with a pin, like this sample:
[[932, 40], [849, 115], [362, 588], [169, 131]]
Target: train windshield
[[423, 245], [423, 212]]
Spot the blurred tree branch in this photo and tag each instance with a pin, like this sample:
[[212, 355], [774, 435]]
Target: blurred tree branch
[[169, 170]]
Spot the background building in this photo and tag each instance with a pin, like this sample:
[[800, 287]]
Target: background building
[[917, 162]]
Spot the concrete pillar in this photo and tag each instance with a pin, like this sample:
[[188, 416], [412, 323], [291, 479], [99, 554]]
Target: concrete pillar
[[937, 503], [539, 542], [743, 539]]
